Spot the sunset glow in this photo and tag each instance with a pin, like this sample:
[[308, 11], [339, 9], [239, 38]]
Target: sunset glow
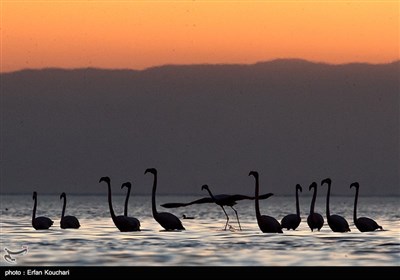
[[139, 34]]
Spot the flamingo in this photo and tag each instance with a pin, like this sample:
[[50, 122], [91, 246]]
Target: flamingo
[[67, 221], [292, 221], [363, 224], [219, 199], [128, 185], [123, 223], [167, 220], [39, 222], [265, 223], [336, 223], [314, 220], [222, 200]]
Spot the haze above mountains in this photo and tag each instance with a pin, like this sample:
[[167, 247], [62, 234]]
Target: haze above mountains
[[294, 121]]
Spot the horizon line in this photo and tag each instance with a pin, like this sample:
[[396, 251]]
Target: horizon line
[[193, 194], [199, 64]]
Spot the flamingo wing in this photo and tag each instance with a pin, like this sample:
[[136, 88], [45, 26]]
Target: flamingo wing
[[177, 204]]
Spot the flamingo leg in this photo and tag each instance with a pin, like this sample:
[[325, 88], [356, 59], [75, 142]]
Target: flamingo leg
[[237, 217], [227, 218]]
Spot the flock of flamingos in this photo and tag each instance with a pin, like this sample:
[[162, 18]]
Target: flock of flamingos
[[266, 223]]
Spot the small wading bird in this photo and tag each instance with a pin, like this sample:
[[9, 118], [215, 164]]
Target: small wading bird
[[67, 221], [123, 223], [314, 220], [336, 223], [266, 224], [219, 199], [362, 224], [292, 221], [186, 217], [167, 220], [39, 222]]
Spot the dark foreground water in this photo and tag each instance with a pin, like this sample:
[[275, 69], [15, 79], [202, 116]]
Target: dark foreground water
[[204, 243]]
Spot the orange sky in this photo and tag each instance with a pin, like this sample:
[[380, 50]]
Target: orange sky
[[139, 34]]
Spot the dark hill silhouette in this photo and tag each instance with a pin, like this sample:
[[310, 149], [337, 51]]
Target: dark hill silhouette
[[293, 120]]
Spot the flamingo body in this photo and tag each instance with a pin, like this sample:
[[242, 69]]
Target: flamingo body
[[363, 224], [167, 220], [67, 221], [336, 223], [314, 220], [41, 222], [292, 221], [267, 224]]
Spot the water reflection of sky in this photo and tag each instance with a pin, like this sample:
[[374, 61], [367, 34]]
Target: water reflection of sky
[[204, 242]]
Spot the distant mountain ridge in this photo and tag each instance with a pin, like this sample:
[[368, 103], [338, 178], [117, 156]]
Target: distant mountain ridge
[[293, 120], [290, 62]]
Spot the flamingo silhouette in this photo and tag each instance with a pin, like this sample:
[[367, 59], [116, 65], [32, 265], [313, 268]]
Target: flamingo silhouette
[[222, 200], [336, 223], [219, 199], [292, 221], [314, 220], [39, 222], [67, 221], [265, 223], [128, 185], [167, 220], [363, 224], [123, 223]]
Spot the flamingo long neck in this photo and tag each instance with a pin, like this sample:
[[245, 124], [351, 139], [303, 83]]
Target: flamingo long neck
[[110, 202], [126, 201], [258, 214], [327, 201], [212, 196], [153, 197], [63, 209], [313, 201], [34, 209], [297, 203], [355, 206]]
